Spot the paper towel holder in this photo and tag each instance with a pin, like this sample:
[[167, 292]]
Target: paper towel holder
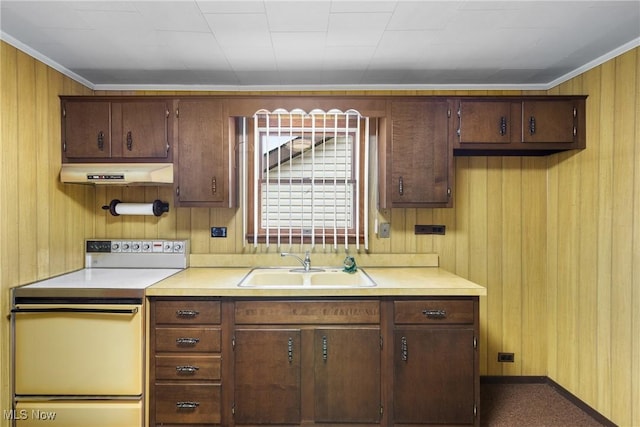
[[157, 208]]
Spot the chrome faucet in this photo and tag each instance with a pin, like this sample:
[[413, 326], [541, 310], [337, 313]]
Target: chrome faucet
[[306, 262]]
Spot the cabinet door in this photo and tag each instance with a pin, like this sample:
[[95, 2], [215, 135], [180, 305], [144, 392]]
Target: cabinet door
[[144, 131], [433, 376], [420, 154], [347, 375], [267, 376], [202, 153], [87, 129], [549, 121], [485, 122]]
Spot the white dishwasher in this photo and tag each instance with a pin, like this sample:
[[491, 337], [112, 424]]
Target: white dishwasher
[[78, 339]]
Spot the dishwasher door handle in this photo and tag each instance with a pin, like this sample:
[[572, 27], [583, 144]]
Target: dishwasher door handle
[[76, 310]]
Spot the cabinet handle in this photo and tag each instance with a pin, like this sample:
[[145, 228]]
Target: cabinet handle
[[503, 126], [178, 191], [187, 313], [290, 349], [435, 314], [404, 349], [325, 349], [129, 141], [214, 185], [187, 341], [101, 141], [401, 186], [532, 125], [187, 405], [188, 369]]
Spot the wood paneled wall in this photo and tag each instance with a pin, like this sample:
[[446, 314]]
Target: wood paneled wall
[[42, 222], [556, 240]]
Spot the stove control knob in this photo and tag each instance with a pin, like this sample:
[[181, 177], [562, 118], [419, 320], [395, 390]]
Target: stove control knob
[[146, 246], [177, 247], [168, 246], [115, 247], [126, 246], [135, 246]]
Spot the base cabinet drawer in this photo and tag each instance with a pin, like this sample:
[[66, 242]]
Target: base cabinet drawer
[[434, 311], [188, 339], [190, 367], [188, 404]]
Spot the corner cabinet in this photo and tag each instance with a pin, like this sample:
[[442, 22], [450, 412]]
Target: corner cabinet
[[417, 162], [204, 154], [535, 125], [115, 129], [379, 361]]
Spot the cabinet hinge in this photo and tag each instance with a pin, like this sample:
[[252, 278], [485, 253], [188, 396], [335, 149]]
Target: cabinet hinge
[[475, 343], [167, 113], [64, 146], [381, 410], [475, 410], [177, 112], [381, 342], [233, 409], [449, 113], [64, 112], [449, 192], [233, 343]]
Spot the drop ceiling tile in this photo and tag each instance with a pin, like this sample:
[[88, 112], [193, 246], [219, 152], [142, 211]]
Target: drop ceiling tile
[[414, 15], [298, 16], [356, 29], [251, 58], [174, 16], [347, 6], [230, 6], [240, 30]]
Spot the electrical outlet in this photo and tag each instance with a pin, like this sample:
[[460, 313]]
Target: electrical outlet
[[506, 357], [430, 229], [218, 231]]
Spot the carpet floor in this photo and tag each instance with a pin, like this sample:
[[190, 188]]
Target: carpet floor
[[530, 405]]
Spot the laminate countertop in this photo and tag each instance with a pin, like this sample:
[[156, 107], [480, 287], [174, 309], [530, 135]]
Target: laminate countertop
[[390, 281]]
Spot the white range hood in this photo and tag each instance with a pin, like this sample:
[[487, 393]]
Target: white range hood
[[117, 173]]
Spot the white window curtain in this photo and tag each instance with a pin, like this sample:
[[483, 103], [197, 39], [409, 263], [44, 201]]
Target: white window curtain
[[306, 169]]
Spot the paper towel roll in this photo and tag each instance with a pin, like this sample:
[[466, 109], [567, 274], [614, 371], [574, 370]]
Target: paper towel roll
[[156, 208]]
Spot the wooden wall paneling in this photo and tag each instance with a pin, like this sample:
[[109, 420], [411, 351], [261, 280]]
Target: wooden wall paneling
[[478, 240], [398, 230], [622, 270], [175, 223], [424, 243], [200, 231], [27, 164], [493, 341], [534, 242], [588, 242], [462, 214], [43, 173], [10, 270], [512, 262], [223, 217], [635, 328], [604, 147], [56, 210]]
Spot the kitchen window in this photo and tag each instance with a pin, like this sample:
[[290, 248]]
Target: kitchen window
[[305, 178]]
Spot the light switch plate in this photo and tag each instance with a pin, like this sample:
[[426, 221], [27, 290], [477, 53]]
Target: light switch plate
[[385, 230]]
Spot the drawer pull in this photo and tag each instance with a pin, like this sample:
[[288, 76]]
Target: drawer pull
[[290, 350], [187, 405], [187, 341], [435, 314], [187, 313], [325, 349], [186, 369], [404, 349]]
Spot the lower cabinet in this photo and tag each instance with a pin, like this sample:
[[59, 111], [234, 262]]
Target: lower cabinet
[[368, 362]]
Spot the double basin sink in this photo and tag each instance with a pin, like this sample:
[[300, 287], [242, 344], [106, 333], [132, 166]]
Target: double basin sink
[[329, 277]]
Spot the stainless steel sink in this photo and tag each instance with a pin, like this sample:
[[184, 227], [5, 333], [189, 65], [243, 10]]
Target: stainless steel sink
[[297, 278]]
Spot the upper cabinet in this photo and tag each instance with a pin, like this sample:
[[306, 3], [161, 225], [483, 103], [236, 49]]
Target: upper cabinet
[[518, 125], [204, 153], [115, 129], [416, 168]]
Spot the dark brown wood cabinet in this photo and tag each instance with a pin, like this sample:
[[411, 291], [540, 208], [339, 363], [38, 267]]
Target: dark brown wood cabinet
[[435, 362], [417, 161], [308, 357], [380, 361], [204, 154], [109, 129], [535, 125], [185, 363]]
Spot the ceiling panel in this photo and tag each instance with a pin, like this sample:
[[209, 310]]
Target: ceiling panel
[[321, 43]]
